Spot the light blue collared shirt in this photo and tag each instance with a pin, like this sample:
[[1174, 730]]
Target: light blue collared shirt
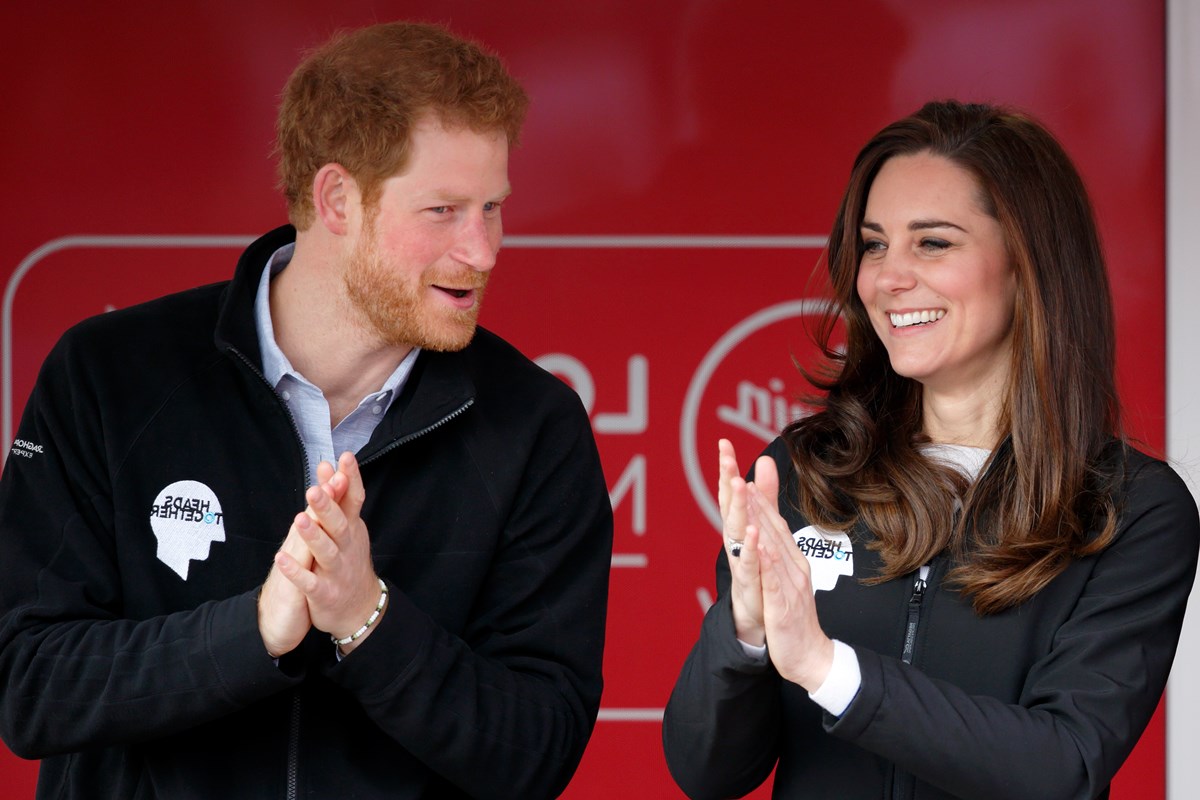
[[307, 403]]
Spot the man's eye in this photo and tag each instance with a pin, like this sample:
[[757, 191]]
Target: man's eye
[[489, 207], [440, 209]]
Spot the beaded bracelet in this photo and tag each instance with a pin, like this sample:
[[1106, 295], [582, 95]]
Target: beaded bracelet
[[371, 620]]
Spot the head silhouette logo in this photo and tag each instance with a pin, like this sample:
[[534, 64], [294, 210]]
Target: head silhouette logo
[[186, 519], [830, 555]]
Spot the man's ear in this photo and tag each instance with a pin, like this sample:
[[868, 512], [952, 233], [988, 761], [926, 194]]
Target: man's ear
[[334, 194]]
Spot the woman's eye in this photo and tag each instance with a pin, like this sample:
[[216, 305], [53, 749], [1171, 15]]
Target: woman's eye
[[934, 244], [873, 246]]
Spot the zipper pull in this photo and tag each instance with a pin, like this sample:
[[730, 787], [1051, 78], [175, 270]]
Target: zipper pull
[[914, 616], [918, 594]]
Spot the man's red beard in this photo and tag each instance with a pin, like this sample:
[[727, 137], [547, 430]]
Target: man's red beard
[[399, 312]]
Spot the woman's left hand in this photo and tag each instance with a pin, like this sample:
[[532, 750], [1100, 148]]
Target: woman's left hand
[[799, 649]]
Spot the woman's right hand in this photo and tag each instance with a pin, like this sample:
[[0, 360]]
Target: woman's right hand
[[741, 548]]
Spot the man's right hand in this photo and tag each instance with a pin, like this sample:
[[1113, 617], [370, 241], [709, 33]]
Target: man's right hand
[[283, 619]]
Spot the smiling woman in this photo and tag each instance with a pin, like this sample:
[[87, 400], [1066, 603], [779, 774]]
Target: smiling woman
[[1019, 572], [938, 286], [995, 229]]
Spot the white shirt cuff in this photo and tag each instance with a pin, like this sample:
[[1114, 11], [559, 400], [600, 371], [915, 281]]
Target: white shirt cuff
[[756, 651], [842, 682]]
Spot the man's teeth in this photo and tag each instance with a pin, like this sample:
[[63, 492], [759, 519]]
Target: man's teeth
[[915, 318]]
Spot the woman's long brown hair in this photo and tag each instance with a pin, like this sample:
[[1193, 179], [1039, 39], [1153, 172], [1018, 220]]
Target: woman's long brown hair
[[1047, 493]]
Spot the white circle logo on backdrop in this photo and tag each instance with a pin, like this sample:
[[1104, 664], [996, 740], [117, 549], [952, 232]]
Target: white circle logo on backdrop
[[758, 410], [755, 411]]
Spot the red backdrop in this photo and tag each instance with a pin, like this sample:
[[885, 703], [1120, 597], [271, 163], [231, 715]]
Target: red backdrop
[[680, 167]]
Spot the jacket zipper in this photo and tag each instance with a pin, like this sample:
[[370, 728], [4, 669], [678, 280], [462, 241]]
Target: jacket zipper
[[900, 782], [290, 416], [293, 750], [914, 617], [418, 434], [293, 746]]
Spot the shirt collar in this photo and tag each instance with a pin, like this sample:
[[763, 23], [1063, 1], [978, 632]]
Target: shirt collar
[[275, 364]]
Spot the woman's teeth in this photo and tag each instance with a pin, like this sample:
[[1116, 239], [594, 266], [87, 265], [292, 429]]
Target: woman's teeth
[[915, 318]]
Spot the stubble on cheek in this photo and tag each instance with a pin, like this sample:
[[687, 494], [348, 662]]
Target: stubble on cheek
[[402, 313]]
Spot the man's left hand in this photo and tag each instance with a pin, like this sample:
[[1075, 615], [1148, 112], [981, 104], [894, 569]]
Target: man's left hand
[[341, 586]]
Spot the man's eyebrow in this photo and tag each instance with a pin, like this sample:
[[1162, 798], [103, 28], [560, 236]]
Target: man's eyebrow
[[449, 197]]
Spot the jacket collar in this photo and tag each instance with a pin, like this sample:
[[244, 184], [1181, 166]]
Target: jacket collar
[[437, 391], [235, 322]]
